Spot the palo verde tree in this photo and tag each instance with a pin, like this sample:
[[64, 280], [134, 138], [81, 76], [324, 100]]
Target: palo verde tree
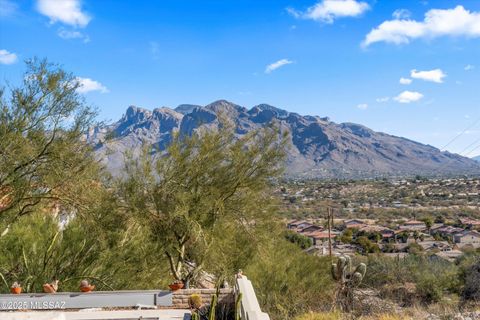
[[205, 188], [43, 158]]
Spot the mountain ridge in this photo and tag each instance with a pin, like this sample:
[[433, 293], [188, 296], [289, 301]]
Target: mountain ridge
[[319, 148]]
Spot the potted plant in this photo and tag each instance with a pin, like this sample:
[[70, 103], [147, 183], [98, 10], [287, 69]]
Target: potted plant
[[51, 287], [176, 285], [85, 286], [16, 288]]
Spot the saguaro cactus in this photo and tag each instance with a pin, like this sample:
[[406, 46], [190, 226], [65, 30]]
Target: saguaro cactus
[[348, 279], [195, 316], [237, 306], [213, 307]]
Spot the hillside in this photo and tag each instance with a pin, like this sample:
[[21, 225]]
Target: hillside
[[319, 148]]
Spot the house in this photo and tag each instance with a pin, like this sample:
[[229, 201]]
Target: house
[[319, 237], [298, 224], [345, 249], [471, 223], [442, 246], [467, 238], [337, 250], [309, 229], [384, 231], [447, 231], [354, 223], [413, 225]]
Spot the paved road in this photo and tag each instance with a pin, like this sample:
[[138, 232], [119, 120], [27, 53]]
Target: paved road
[[99, 315]]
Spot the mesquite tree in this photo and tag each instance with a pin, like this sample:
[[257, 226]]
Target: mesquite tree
[[206, 186], [43, 159]]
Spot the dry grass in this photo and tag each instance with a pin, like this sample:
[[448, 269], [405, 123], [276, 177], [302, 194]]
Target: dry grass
[[320, 316], [338, 316]]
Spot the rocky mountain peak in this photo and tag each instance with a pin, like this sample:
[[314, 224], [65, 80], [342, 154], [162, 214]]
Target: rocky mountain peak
[[186, 108], [136, 114], [318, 146], [226, 108]]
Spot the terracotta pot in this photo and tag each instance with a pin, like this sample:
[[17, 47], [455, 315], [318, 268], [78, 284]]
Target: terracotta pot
[[176, 286], [48, 288], [16, 290], [87, 288]]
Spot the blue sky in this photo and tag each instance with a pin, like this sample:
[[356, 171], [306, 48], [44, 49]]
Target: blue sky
[[338, 58]]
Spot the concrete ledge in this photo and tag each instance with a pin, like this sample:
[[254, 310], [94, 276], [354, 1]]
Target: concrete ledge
[[98, 315], [77, 300], [249, 306]]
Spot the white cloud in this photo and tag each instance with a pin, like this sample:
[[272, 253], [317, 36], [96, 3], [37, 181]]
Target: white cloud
[[274, 66], [362, 106], [329, 10], [88, 85], [7, 57], [72, 34], [65, 11], [155, 50], [437, 23], [405, 80], [408, 96], [382, 99], [469, 67], [7, 8], [401, 14], [435, 75]]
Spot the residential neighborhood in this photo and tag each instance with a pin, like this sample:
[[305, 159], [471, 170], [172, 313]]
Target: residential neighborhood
[[362, 236]]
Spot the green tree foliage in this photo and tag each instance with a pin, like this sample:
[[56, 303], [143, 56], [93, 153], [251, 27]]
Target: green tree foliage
[[347, 236], [206, 184], [99, 245], [414, 248], [428, 222], [42, 156], [299, 239], [367, 245], [48, 171]]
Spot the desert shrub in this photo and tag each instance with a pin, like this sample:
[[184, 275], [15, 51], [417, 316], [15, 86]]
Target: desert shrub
[[426, 278], [367, 245], [320, 316], [429, 288], [414, 248], [298, 239], [288, 282], [347, 236], [471, 289]]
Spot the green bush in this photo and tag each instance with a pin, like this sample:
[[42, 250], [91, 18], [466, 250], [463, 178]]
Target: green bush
[[298, 239], [430, 278], [289, 282]]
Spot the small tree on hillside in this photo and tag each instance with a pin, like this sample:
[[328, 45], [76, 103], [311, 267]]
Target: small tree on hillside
[[207, 187]]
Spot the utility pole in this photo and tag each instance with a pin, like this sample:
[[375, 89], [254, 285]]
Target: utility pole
[[329, 225]]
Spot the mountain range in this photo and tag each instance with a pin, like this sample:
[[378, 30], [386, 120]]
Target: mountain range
[[477, 158], [319, 148]]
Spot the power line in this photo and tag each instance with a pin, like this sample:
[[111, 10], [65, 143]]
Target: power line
[[460, 134], [473, 150], [468, 147]]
